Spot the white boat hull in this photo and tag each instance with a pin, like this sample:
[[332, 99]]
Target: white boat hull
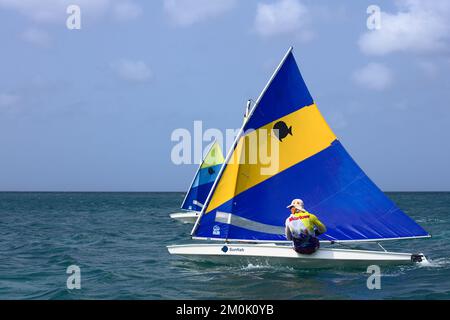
[[273, 254], [185, 217]]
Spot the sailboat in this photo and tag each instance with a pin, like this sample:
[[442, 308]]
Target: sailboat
[[201, 185], [245, 211]]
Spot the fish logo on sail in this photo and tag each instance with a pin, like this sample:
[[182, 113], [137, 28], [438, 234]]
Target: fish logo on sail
[[281, 130]]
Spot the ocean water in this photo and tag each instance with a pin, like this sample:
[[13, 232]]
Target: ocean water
[[119, 242]]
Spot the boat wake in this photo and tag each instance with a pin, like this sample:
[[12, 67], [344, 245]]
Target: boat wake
[[436, 263], [266, 266]]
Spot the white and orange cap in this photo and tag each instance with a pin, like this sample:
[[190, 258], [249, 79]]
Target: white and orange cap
[[298, 204]]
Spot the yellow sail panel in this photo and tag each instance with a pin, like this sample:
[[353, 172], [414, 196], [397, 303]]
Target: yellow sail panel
[[300, 135], [214, 157]]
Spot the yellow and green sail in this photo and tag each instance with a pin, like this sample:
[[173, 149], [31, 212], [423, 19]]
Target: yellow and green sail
[[204, 179]]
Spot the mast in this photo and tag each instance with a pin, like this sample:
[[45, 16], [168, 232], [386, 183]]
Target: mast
[[236, 140]]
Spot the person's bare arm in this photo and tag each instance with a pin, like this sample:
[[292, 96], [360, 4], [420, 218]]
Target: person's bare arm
[[287, 231]]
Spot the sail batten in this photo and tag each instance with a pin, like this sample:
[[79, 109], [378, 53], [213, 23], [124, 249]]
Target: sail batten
[[248, 205]]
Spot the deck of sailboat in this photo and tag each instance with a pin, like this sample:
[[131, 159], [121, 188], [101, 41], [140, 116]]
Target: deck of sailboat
[[276, 254]]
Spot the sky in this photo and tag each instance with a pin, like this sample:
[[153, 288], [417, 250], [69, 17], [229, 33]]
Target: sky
[[94, 109]]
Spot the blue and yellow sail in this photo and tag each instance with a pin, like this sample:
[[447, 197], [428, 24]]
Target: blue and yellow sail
[[247, 203], [204, 179]]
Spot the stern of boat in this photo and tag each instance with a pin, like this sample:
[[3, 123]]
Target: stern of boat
[[185, 217]]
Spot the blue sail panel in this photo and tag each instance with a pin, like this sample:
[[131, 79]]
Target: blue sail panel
[[200, 188], [332, 186], [286, 93]]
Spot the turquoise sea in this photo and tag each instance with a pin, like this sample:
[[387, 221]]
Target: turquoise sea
[[118, 240]]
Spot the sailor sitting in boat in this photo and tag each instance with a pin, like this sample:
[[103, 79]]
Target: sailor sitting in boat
[[303, 228]]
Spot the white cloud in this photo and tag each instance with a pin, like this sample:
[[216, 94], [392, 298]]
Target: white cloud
[[284, 16], [134, 71], [54, 11], [36, 36], [419, 26], [374, 76], [188, 12], [48, 12]]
